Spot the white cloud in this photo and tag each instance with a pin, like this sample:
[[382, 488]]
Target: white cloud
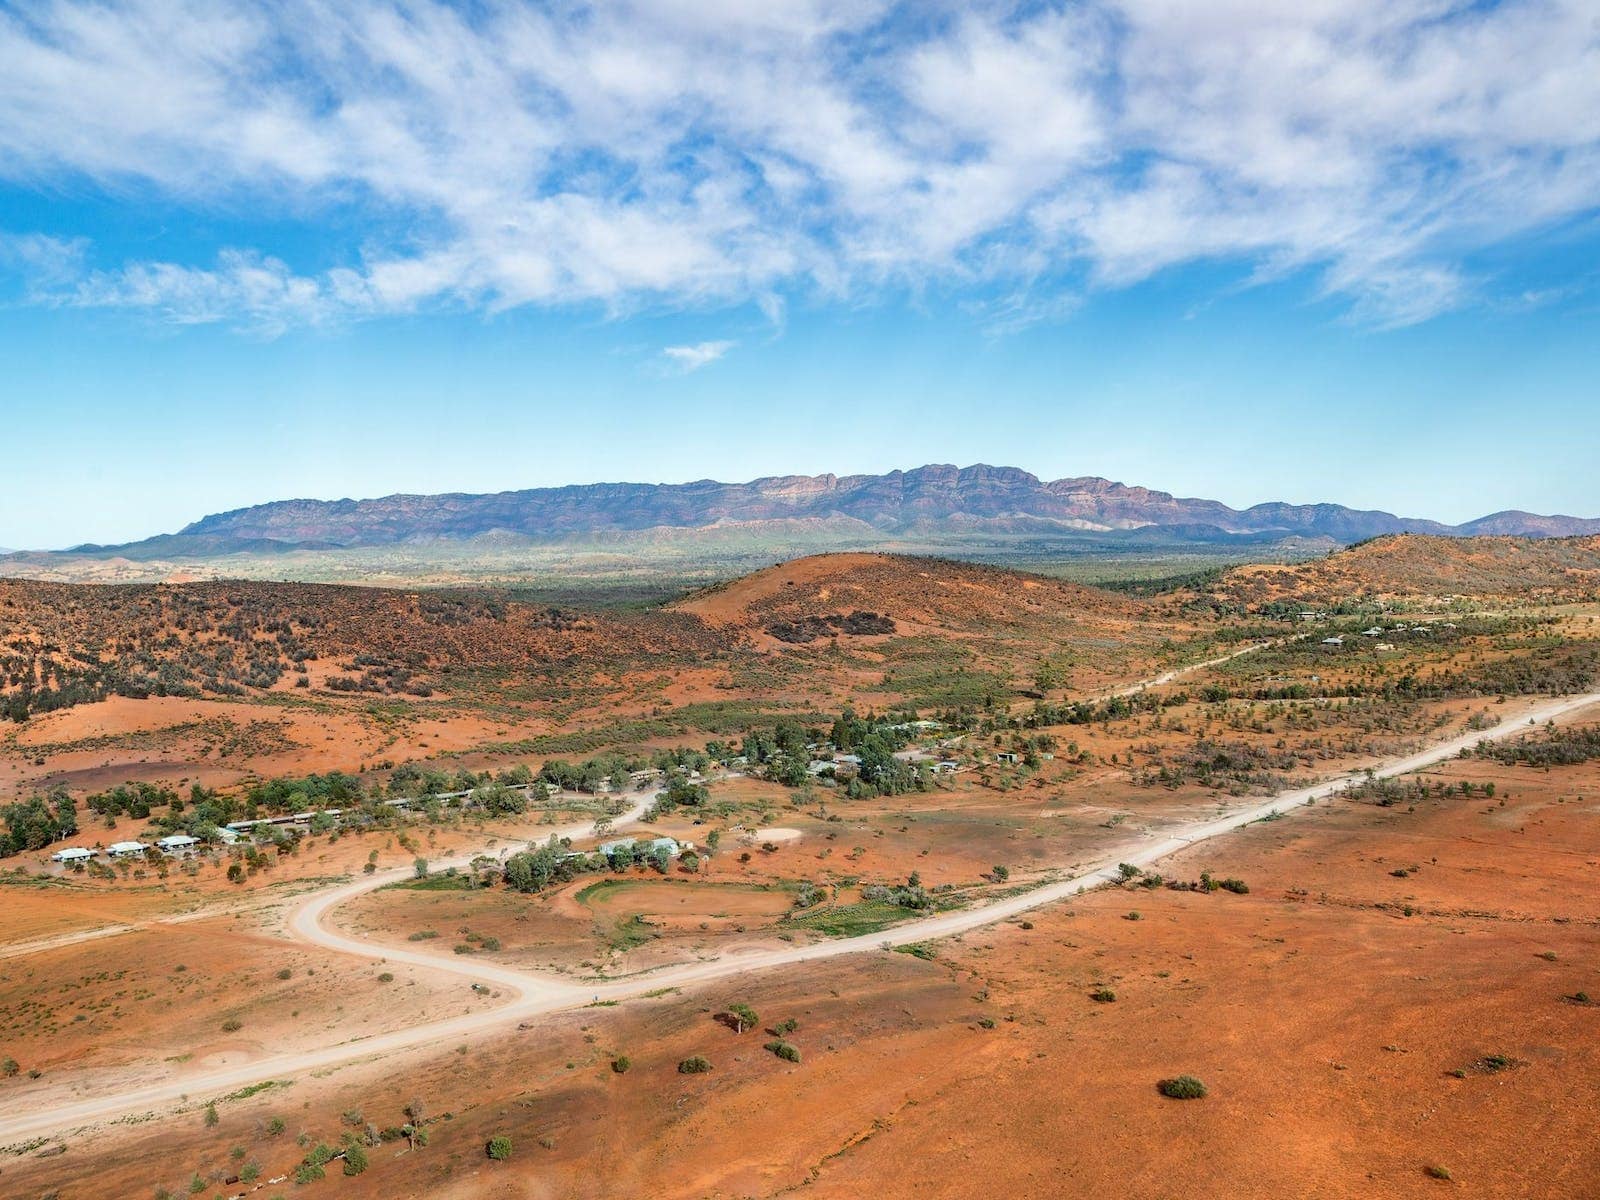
[[691, 358], [708, 152]]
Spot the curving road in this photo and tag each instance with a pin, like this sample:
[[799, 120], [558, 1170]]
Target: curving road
[[535, 994]]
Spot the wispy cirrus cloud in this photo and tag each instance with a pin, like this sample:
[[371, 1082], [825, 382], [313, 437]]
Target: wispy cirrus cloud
[[683, 359], [668, 153]]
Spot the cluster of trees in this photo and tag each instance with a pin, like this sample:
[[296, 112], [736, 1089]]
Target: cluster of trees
[[1234, 766], [34, 823], [1387, 793], [1559, 747], [910, 894], [553, 863]]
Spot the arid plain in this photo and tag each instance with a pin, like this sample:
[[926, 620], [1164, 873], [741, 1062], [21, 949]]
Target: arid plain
[[1384, 991]]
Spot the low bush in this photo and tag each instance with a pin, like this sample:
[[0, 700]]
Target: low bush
[[696, 1064], [787, 1051], [499, 1148], [1182, 1087]]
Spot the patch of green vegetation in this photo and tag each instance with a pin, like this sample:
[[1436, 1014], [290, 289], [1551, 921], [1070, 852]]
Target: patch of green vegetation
[[443, 882], [629, 933], [255, 1089], [852, 920]]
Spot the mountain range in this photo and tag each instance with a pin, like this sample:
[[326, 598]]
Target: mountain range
[[963, 501], [708, 530]]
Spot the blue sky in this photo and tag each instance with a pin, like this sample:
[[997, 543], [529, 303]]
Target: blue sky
[[1348, 252]]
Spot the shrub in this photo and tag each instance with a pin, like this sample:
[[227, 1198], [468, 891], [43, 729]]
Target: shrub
[[275, 1126], [696, 1064], [250, 1172], [1436, 1172], [386, 977], [1237, 886], [211, 1116], [786, 1026], [1135, 915], [9, 1068], [499, 1148], [621, 1063], [309, 1173], [787, 1051], [355, 1159], [285, 973], [1102, 995], [232, 1025], [1182, 1087]]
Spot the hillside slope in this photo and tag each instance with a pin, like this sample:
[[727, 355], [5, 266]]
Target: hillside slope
[[923, 594], [70, 644], [1411, 565]]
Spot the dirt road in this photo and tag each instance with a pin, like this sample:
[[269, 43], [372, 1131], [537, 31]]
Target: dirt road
[[537, 994]]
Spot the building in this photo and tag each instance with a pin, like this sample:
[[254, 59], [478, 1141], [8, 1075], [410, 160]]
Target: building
[[650, 848], [228, 837], [125, 849], [72, 854], [1333, 641], [178, 843]]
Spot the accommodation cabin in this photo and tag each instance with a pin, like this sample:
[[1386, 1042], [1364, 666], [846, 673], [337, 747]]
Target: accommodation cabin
[[72, 854], [126, 849]]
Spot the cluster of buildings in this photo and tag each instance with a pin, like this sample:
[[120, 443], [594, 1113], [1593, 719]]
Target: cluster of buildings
[[178, 845]]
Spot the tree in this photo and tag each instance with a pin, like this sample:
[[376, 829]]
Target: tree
[[211, 1116], [419, 868], [499, 1148], [531, 870], [355, 1159], [739, 1017], [416, 1114]]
